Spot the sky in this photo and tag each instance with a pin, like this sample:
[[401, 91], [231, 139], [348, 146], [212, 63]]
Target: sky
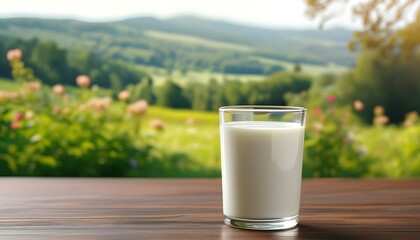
[[261, 13]]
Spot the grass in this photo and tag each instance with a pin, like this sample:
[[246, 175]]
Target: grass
[[196, 41], [392, 151], [311, 69], [160, 75], [199, 140], [395, 150], [8, 85]]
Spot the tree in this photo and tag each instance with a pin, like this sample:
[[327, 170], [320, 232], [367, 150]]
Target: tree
[[198, 96], [146, 90], [233, 93], [381, 20], [243, 67], [385, 73], [389, 82], [281, 83], [206, 96], [142, 90], [115, 82], [171, 95], [49, 62], [216, 96], [297, 68]]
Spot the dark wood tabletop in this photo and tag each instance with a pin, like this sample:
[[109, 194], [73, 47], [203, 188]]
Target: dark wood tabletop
[[57, 208]]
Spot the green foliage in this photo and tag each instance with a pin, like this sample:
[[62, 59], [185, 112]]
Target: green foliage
[[387, 69], [146, 91], [394, 150], [49, 62], [381, 29], [272, 91], [330, 150], [76, 139], [79, 133], [211, 96], [172, 95], [391, 82], [246, 67], [59, 138], [188, 43], [84, 133], [338, 144], [55, 65], [297, 68]]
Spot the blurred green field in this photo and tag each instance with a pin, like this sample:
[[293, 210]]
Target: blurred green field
[[196, 41], [394, 150], [391, 151], [8, 85], [311, 69], [192, 132], [191, 137], [186, 132], [160, 76]]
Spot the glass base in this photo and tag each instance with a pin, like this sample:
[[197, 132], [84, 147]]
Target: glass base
[[266, 224]]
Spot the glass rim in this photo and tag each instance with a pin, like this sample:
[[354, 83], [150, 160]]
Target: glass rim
[[262, 108]]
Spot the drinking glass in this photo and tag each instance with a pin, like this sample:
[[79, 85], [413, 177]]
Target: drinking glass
[[261, 152]]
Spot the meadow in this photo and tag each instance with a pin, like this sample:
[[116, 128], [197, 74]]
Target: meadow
[[161, 75], [105, 140], [91, 131]]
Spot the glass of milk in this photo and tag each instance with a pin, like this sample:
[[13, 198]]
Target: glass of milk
[[261, 149]]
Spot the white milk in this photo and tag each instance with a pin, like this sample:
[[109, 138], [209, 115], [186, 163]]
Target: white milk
[[261, 169]]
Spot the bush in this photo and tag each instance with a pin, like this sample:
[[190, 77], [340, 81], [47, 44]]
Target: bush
[[61, 131], [338, 144], [391, 82]]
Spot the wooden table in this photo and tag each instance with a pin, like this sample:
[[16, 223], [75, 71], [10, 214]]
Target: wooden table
[[50, 208]]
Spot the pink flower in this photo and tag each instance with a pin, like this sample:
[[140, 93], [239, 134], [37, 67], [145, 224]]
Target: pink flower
[[9, 95], [358, 105], [19, 116], [190, 121], [138, 108], [14, 125], [331, 98], [157, 124], [380, 120], [317, 111], [83, 81], [33, 85], [97, 104], [14, 54], [124, 95], [58, 89]]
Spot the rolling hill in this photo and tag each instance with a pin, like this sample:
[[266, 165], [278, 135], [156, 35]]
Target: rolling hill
[[190, 43]]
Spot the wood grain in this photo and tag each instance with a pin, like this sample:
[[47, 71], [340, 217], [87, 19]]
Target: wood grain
[[56, 208]]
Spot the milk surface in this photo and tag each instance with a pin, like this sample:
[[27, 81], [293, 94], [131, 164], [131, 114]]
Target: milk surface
[[261, 169]]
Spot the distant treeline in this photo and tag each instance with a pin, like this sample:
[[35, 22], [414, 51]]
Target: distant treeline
[[211, 96], [172, 57], [55, 65]]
